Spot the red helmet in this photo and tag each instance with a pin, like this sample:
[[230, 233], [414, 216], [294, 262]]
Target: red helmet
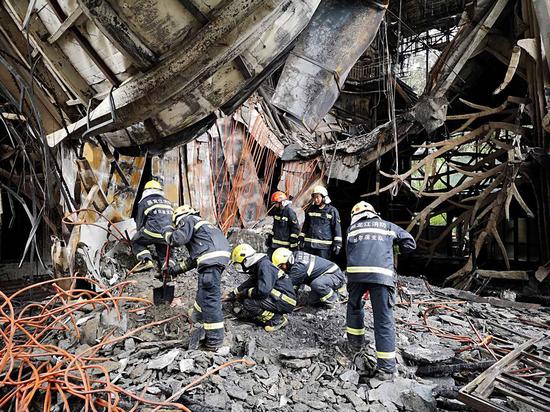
[[278, 197]]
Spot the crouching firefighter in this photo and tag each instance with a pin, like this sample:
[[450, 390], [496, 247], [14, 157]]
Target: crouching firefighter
[[285, 225], [323, 276], [370, 267], [209, 252], [154, 213], [267, 295]]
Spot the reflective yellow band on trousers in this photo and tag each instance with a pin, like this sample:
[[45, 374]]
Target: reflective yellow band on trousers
[[369, 269], [294, 235], [158, 206], [197, 307], [265, 316], [332, 269], [153, 234], [357, 332], [213, 255], [327, 296], [338, 238], [385, 355], [280, 242], [142, 253], [311, 266], [374, 231], [284, 297], [211, 326], [323, 242]]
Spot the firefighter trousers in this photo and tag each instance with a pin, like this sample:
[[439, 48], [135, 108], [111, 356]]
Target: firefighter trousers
[[324, 289], [382, 300], [268, 311], [324, 253], [208, 304], [141, 240]]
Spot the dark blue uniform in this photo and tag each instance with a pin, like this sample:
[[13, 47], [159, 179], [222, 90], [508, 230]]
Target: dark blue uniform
[[210, 252], [268, 293], [154, 213], [370, 267], [321, 232], [285, 230], [323, 276]]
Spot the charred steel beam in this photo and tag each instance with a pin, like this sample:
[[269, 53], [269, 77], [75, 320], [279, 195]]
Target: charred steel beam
[[116, 30], [338, 34], [194, 10]]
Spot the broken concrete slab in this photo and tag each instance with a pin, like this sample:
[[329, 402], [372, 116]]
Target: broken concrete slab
[[163, 361], [430, 353]]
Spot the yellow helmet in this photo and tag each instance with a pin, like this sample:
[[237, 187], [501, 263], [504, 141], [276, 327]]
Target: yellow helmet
[[241, 252], [282, 255], [182, 211], [320, 190], [362, 207], [153, 184]]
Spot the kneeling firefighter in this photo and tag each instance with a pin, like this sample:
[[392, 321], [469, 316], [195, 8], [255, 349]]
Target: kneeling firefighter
[[209, 252], [323, 276], [268, 294], [370, 267]]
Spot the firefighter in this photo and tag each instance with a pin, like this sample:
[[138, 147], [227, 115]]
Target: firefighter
[[370, 267], [323, 276], [268, 295], [154, 213], [209, 252], [285, 225], [321, 233]]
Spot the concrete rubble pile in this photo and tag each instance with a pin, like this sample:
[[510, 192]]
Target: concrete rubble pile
[[443, 343]]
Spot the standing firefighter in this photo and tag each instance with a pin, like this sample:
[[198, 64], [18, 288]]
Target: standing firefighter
[[370, 268], [285, 225], [268, 294], [323, 276], [154, 213], [209, 252], [321, 233]]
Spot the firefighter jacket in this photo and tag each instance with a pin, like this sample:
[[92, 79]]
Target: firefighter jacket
[[321, 229], [267, 280], [285, 228], [307, 267], [154, 213], [370, 250], [206, 243]]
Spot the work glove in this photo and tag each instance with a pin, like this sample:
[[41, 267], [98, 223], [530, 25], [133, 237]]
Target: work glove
[[336, 248], [168, 237], [268, 241], [301, 242]]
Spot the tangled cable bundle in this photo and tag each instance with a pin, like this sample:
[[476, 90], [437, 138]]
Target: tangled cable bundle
[[37, 375]]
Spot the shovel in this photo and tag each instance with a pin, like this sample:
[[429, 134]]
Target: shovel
[[165, 293]]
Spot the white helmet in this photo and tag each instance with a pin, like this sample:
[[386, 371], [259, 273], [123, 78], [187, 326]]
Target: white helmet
[[320, 190]]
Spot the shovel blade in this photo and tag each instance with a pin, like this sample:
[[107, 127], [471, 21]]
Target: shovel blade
[[163, 294]]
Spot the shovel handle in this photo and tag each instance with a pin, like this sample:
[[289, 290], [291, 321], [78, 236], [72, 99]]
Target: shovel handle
[[166, 260]]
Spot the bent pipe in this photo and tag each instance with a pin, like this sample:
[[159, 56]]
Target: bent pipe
[[338, 34]]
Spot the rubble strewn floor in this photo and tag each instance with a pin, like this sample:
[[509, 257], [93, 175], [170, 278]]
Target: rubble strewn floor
[[443, 343]]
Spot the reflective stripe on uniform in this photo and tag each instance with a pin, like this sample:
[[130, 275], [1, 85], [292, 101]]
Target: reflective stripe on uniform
[[311, 266], [372, 230], [337, 238], [157, 206], [315, 214], [143, 253], [283, 297], [302, 234], [197, 307], [369, 269], [356, 332], [323, 242], [201, 223], [327, 296], [280, 242], [153, 234], [211, 326], [280, 274], [249, 292], [332, 269], [385, 355], [265, 316], [212, 255], [280, 217], [294, 235]]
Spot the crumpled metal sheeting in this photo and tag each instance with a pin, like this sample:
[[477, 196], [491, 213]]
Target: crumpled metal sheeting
[[317, 67]]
